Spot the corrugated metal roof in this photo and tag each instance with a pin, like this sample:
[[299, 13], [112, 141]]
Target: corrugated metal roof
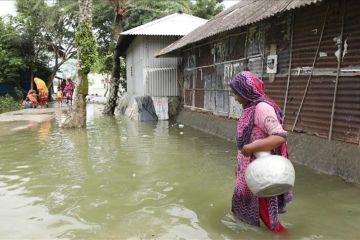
[[177, 24], [243, 13]]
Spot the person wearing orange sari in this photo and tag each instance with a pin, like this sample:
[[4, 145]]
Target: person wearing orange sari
[[31, 95]]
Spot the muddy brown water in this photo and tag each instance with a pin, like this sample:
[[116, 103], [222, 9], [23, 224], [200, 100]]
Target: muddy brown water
[[120, 179]]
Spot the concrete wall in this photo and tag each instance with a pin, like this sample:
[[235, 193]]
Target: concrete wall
[[335, 158]]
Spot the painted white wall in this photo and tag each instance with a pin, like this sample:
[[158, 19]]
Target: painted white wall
[[134, 67], [147, 75], [152, 46], [97, 84]]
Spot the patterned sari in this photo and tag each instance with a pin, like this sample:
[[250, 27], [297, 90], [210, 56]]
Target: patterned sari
[[260, 118]]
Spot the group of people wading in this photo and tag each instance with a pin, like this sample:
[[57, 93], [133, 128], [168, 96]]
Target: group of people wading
[[64, 92]]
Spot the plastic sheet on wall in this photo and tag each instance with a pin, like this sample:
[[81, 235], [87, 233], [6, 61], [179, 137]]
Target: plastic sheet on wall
[[132, 110], [161, 107], [146, 109]]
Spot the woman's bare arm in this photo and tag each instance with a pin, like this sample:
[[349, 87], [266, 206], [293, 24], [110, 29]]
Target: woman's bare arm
[[265, 144]]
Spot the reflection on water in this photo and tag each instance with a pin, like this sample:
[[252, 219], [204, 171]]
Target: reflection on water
[[120, 179], [44, 131]]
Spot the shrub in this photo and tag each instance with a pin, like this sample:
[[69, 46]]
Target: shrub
[[8, 104]]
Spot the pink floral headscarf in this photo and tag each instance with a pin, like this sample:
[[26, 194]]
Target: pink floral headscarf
[[248, 86]]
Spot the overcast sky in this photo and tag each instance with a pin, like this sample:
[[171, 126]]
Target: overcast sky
[[8, 6], [227, 3]]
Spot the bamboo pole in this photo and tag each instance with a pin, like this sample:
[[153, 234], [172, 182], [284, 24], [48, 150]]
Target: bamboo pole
[[312, 68], [290, 60], [338, 70]]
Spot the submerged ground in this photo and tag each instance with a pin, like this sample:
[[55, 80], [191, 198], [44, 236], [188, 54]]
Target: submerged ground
[[120, 179]]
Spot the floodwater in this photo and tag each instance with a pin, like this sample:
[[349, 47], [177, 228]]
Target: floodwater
[[121, 179]]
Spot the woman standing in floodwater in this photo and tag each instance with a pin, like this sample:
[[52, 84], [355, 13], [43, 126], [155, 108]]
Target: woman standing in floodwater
[[260, 121], [69, 89]]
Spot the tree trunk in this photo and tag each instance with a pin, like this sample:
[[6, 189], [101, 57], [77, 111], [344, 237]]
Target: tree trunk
[[31, 79], [106, 85], [115, 74], [50, 83], [77, 115], [52, 76], [114, 85]]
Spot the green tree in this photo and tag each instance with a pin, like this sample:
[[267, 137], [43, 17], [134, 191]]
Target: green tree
[[206, 8], [86, 47], [103, 17], [60, 35], [120, 7], [30, 23], [132, 13], [150, 10], [11, 61], [47, 34], [129, 14], [15, 55]]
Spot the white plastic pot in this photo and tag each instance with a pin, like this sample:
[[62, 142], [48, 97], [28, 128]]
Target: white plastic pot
[[269, 175]]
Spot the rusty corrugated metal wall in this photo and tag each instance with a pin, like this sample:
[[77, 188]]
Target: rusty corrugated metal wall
[[278, 31], [209, 66], [315, 114], [347, 117]]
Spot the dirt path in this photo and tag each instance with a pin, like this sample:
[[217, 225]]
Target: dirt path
[[35, 115], [24, 119]]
